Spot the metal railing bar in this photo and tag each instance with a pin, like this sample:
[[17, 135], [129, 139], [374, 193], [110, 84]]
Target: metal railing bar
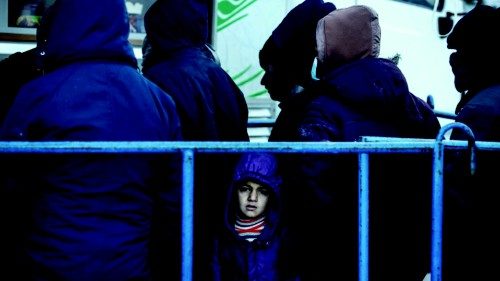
[[438, 193], [444, 114], [363, 149], [214, 147], [378, 146], [260, 122], [363, 216], [187, 214]]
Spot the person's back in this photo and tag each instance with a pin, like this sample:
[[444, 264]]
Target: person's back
[[470, 205], [210, 105], [361, 95], [91, 215]]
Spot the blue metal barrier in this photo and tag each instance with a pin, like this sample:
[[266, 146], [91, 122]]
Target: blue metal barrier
[[437, 194], [367, 146]]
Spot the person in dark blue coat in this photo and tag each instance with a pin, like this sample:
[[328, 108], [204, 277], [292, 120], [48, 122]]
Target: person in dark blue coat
[[358, 94], [210, 105], [361, 94], [90, 217], [253, 242], [470, 231]]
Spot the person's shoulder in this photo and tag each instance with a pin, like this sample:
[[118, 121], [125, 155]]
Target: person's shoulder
[[486, 97]]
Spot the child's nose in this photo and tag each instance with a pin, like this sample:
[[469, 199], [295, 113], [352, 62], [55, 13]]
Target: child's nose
[[253, 196]]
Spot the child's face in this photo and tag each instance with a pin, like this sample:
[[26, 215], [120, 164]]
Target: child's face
[[253, 199]]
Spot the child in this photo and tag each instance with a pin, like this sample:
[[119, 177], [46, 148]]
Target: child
[[251, 245]]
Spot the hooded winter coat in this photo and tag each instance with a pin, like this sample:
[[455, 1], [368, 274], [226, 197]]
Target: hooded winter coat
[[265, 258], [210, 105], [293, 38], [471, 200], [90, 217], [358, 95]]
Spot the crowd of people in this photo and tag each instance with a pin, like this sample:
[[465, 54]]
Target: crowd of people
[[257, 216]]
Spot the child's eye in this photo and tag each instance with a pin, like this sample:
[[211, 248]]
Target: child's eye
[[243, 188], [264, 191]]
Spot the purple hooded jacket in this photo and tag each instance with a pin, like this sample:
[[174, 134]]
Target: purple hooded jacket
[[266, 258]]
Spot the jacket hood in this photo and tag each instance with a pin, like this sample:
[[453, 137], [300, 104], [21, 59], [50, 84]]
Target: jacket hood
[[348, 34], [292, 43], [177, 24], [475, 31], [75, 30], [476, 44], [261, 168], [373, 84]]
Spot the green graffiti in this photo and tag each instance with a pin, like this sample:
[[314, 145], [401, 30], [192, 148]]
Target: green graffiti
[[257, 94], [252, 77], [245, 76], [241, 73], [231, 11], [228, 13]]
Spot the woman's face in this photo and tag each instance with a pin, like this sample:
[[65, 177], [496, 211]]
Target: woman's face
[[253, 199]]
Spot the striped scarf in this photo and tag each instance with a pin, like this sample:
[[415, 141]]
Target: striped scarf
[[250, 229]]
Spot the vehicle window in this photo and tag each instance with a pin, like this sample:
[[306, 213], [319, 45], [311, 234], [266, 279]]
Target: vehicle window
[[28, 13], [423, 3], [136, 10]]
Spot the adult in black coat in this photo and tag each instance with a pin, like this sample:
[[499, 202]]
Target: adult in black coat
[[210, 105], [470, 205]]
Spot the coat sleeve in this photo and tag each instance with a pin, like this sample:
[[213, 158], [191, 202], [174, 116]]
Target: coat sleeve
[[318, 122]]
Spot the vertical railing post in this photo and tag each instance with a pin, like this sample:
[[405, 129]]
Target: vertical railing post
[[437, 195], [363, 216], [437, 209], [187, 214]]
